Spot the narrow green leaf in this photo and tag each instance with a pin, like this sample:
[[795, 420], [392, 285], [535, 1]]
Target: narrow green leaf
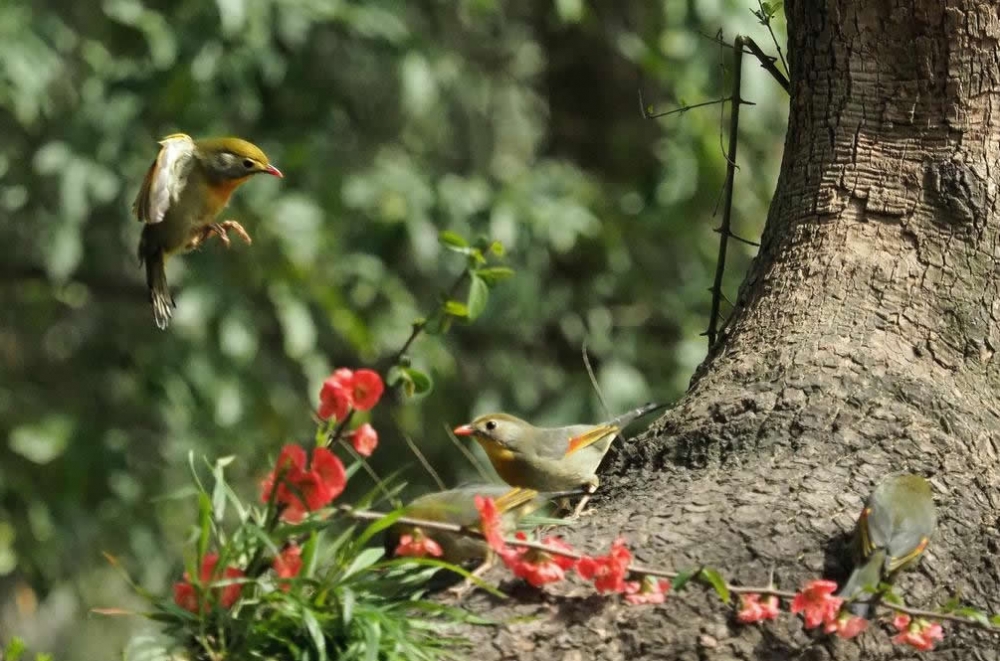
[[493, 275], [456, 309], [364, 560], [347, 601], [315, 633], [451, 239], [973, 614], [219, 493], [682, 579], [995, 620], [205, 525], [479, 293], [422, 383], [713, 578]]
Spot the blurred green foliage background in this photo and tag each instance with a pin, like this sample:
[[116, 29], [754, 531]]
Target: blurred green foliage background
[[392, 121]]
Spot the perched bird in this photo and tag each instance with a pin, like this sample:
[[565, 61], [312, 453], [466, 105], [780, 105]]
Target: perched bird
[[185, 188], [457, 506], [547, 458], [893, 530]]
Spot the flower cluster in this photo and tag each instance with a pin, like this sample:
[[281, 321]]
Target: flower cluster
[[819, 606], [347, 389], [753, 609], [538, 567], [287, 565], [191, 596], [299, 489], [918, 633]]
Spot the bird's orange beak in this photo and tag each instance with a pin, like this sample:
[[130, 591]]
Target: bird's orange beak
[[464, 430], [271, 170]]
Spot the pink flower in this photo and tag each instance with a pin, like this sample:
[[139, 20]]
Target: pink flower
[[417, 545], [536, 566], [365, 440], [752, 609], [299, 490], [919, 633], [490, 523], [366, 389], [287, 564], [846, 625], [186, 595], [648, 591], [608, 572], [817, 603]]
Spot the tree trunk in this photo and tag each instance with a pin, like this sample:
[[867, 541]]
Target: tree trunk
[[862, 343]]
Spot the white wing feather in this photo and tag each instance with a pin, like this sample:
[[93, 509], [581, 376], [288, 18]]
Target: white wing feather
[[169, 178]]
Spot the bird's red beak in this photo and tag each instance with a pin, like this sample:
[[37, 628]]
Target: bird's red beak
[[270, 169], [464, 430]]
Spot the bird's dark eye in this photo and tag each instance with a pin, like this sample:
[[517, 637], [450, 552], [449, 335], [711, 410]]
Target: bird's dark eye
[[247, 163], [491, 425]]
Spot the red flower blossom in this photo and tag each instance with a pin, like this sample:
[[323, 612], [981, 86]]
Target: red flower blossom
[[846, 625], [648, 591], [608, 572], [817, 603], [417, 545], [536, 566], [752, 609], [366, 389], [287, 564], [300, 490], [335, 395], [365, 440], [919, 633], [491, 523], [186, 595]]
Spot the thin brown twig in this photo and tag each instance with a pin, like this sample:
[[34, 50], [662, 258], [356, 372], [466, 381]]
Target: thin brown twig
[[682, 109], [727, 209], [774, 39], [643, 570], [767, 62], [423, 460]]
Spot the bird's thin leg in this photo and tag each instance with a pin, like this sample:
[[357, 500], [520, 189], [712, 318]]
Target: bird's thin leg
[[199, 236], [578, 511], [234, 226], [460, 591]]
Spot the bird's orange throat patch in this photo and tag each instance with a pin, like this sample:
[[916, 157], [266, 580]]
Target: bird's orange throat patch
[[220, 191]]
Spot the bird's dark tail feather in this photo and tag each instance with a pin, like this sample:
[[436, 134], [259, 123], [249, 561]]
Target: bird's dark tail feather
[[159, 291]]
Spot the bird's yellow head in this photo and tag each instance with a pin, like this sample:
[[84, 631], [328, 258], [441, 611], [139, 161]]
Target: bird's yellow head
[[500, 434], [234, 159]]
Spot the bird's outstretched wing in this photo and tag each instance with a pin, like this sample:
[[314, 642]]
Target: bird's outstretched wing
[[165, 178]]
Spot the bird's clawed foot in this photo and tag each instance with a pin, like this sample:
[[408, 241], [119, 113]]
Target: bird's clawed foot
[[220, 230]]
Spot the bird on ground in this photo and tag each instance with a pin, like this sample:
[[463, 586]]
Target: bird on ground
[[457, 506], [183, 191], [548, 458], [891, 534]]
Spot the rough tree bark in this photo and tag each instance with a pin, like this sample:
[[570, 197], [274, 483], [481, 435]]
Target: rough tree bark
[[862, 343]]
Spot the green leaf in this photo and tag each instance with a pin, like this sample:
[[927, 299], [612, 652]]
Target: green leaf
[[713, 578], [493, 275], [973, 614], [497, 248], [347, 601], [205, 525], [364, 560], [995, 620], [456, 309], [421, 382], [219, 493], [682, 579], [479, 293], [315, 632], [453, 240]]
